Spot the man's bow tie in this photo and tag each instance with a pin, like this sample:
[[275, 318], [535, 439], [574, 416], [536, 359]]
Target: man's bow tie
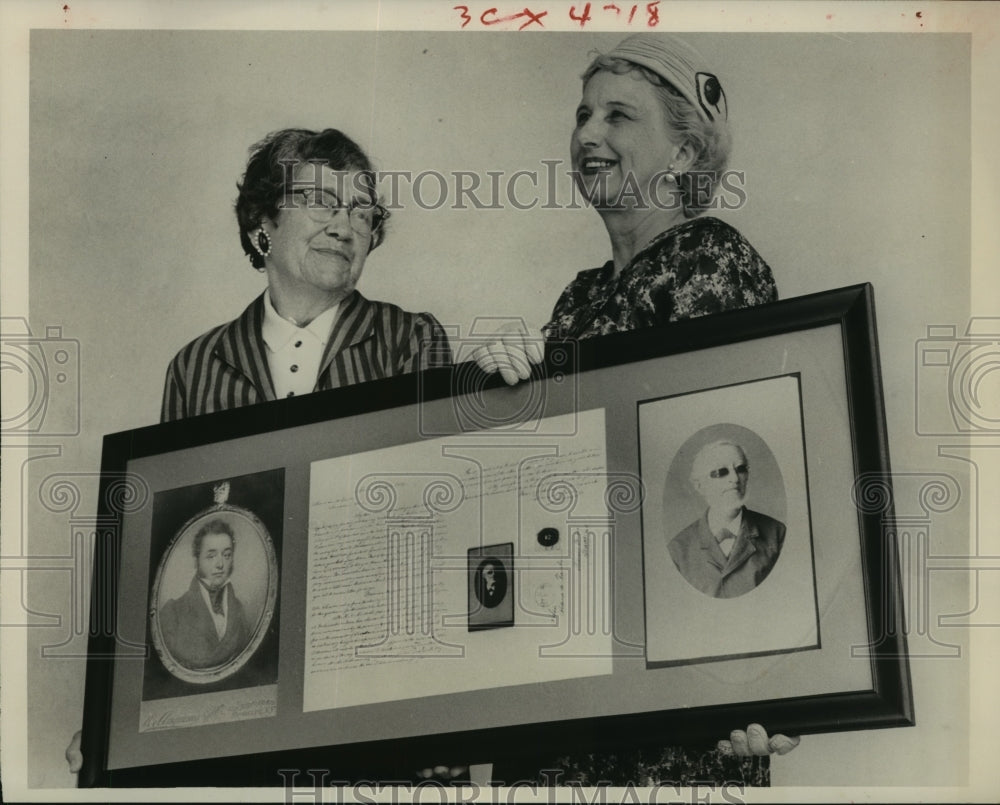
[[726, 540]]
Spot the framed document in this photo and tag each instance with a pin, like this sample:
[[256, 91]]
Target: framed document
[[668, 532]]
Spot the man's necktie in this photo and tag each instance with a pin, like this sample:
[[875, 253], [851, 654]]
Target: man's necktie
[[216, 597]]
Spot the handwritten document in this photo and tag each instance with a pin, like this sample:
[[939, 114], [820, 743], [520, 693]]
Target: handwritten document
[[389, 570]]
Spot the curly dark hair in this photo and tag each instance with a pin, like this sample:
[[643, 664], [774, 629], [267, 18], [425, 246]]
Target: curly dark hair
[[216, 526], [263, 185]]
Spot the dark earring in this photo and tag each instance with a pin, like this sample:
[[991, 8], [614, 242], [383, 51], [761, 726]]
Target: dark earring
[[263, 243]]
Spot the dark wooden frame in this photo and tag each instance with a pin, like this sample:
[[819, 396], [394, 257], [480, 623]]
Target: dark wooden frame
[[888, 703]]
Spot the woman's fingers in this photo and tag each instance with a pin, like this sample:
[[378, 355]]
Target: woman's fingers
[[512, 354], [740, 743], [484, 359], [444, 773], [516, 348], [529, 342], [783, 744], [73, 754], [755, 741], [505, 362], [758, 739]]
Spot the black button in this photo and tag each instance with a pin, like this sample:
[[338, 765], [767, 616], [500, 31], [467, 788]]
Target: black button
[[548, 537], [295, 367], [291, 394], [298, 344]]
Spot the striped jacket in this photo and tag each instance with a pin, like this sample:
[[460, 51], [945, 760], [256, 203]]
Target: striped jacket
[[227, 366]]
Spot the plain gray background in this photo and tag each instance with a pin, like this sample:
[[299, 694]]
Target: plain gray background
[[856, 149]]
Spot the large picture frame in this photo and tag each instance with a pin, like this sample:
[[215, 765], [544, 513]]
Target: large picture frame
[[359, 522]]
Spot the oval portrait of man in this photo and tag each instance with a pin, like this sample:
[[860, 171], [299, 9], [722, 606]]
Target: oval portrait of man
[[490, 582], [724, 510], [214, 595]]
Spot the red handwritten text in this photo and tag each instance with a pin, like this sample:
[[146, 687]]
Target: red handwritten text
[[583, 14], [491, 17]]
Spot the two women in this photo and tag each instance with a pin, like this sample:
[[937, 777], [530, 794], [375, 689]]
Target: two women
[[649, 147]]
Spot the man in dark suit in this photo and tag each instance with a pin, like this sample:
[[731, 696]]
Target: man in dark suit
[[207, 626], [491, 584], [730, 549]]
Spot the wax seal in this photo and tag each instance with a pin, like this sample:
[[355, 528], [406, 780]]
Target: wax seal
[[548, 537]]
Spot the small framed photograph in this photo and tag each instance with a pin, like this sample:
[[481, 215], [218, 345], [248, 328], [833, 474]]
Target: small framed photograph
[[491, 586]]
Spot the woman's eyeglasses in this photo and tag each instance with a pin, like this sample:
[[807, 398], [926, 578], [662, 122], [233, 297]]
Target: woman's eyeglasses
[[322, 205]]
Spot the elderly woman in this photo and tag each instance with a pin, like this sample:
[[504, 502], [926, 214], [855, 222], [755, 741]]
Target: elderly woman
[[649, 147], [309, 216]]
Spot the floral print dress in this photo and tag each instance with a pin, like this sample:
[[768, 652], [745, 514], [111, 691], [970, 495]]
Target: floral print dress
[[696, 268]]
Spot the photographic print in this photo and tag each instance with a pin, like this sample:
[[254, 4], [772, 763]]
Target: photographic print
[[213, 599], [719, 555], [491, 586], [838, 151]]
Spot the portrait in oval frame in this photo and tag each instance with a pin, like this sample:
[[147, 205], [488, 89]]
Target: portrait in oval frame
[[214, 592], [684, 504], [490, 582]]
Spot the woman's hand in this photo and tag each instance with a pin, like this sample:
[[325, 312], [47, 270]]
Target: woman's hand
[[755, 742], [73, 754], [442, 774], [478, 773], [513, 352]]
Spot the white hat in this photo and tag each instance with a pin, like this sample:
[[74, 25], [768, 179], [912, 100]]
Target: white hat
[[681, 66]]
